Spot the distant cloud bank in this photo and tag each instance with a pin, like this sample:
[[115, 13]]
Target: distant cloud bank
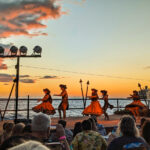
[[9, 78], [49, 77], [4, 77], [147, 67]]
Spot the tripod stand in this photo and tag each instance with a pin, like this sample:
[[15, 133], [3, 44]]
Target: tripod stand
[[3, 115]]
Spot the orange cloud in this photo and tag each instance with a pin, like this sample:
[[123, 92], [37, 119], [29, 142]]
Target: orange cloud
[[19, 17]]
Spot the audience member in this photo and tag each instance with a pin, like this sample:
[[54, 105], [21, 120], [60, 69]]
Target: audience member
[[93, 124], [7, 131], [18, 129], [4, 126], [88, 139], [100, 127], [142, 122], [41, 127], [77, 128], [68, 133], [12, 141], [27, 130], [60, 132], [30, 145], [87, 135], [146, 132], [129, 134]]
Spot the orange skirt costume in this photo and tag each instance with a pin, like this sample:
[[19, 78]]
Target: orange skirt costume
[[135, 107], [45, 107], [64, 105], [93, 109]]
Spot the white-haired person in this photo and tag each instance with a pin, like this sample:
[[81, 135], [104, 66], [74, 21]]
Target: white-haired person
[[41, 126], [41, 130], [30, 145], [128, 136]]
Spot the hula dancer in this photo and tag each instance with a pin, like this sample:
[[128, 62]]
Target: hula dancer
[[106, 104], [64, 105], [94, 109], [46, 105], [136, 106]]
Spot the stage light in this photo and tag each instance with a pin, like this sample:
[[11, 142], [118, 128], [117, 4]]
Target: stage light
[[1, 51], [23, 50], [13, 50], [37, 50]]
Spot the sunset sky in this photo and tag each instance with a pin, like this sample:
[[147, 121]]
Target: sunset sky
[[104, 41]]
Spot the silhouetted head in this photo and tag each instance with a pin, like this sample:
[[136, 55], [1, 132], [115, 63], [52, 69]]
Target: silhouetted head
[[77, 128], [18, 129], [135, 92], [146, 131], [94, 118], [9, 127], [104, 92], [41, 125], [94, 90], [4, 125], [143, 120], [46, 91], [27, 129], [63, 87], [86, 125], [127, 126], [63, 123]]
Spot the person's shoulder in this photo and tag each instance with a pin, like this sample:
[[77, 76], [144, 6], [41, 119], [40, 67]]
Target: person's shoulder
[[95, 133], [79, 134], [117, 139], [68, 131], [141, 139]]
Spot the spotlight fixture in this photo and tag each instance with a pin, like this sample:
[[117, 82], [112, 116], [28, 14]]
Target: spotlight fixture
[[1, 51], [37, 50], [23, 50], [13, 50]]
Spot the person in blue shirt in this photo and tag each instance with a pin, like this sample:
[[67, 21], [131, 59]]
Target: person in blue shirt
[[100, 127]]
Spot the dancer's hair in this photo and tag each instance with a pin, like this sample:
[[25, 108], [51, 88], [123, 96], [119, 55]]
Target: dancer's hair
[[63, 86]]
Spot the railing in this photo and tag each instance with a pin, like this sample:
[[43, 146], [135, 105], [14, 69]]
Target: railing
[[28, 99]]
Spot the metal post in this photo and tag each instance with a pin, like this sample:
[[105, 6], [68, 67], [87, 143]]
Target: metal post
[[117, 105], [17, 88], [86, 93], [82, 93], [8, 99], [28, 109]]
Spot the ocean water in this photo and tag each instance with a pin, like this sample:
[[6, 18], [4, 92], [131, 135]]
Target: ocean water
[[70, 112]]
